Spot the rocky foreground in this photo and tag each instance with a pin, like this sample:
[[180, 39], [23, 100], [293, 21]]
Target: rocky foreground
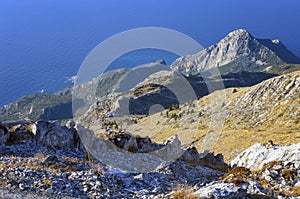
[[47, 160]]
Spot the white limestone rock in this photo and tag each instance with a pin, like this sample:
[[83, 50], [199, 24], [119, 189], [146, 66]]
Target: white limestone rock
[[221, 190], [258, 155]]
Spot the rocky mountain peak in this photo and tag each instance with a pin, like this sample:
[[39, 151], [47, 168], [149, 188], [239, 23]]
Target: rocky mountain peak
[[239, 50], [239, 33]]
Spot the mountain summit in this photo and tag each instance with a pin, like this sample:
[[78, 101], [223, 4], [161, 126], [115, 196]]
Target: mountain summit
[[239, 50]]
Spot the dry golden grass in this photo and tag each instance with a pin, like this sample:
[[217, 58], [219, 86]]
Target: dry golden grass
[[236, 175], [47, 182], [289, 174], [232, 142], [296, 191], [246, 126], [182, 192]]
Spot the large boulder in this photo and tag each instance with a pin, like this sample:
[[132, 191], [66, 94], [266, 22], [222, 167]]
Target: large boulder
[[171, 149], [52, 134], [221, 190], [19, 132], [132, 143], [4, 134]]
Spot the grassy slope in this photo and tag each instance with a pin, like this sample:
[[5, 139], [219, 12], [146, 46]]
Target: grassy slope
[[267, 111]]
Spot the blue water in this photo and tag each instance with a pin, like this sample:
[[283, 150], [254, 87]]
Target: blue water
[[40, 81], [143, 56], [43, 42]]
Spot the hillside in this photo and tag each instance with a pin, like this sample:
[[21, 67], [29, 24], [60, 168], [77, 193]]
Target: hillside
[[55, 106], [38, 106], [267, 111]]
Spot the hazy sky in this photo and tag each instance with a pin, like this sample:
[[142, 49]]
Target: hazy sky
[[205, 20]]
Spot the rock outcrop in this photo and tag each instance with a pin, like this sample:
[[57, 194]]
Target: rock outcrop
[[221, 190], [267, 171], [171, 147], [206, 158], [4, 134], [132, 143], [52, 134], [44, 133], [259, 155], [19, 132]]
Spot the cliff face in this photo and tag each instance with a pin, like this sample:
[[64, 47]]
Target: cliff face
[[240, 50]]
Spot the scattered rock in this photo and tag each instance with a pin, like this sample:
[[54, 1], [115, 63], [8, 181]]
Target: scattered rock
[[33, 167]]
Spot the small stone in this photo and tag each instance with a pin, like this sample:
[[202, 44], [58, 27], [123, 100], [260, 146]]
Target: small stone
[[85, 189], [64, 175], [277, 167], [21, 186], [274, 174], [140, 176], [98, 183], [50, 160], [70, 124], [50, 191]]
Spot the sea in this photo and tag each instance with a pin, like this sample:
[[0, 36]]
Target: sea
[[43, 43], [37, 79]]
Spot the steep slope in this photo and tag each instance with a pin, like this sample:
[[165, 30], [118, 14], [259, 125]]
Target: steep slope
[[281, 50], [267, 111], [239, 50]]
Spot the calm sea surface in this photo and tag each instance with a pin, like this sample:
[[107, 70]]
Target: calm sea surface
[[36, 78]]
